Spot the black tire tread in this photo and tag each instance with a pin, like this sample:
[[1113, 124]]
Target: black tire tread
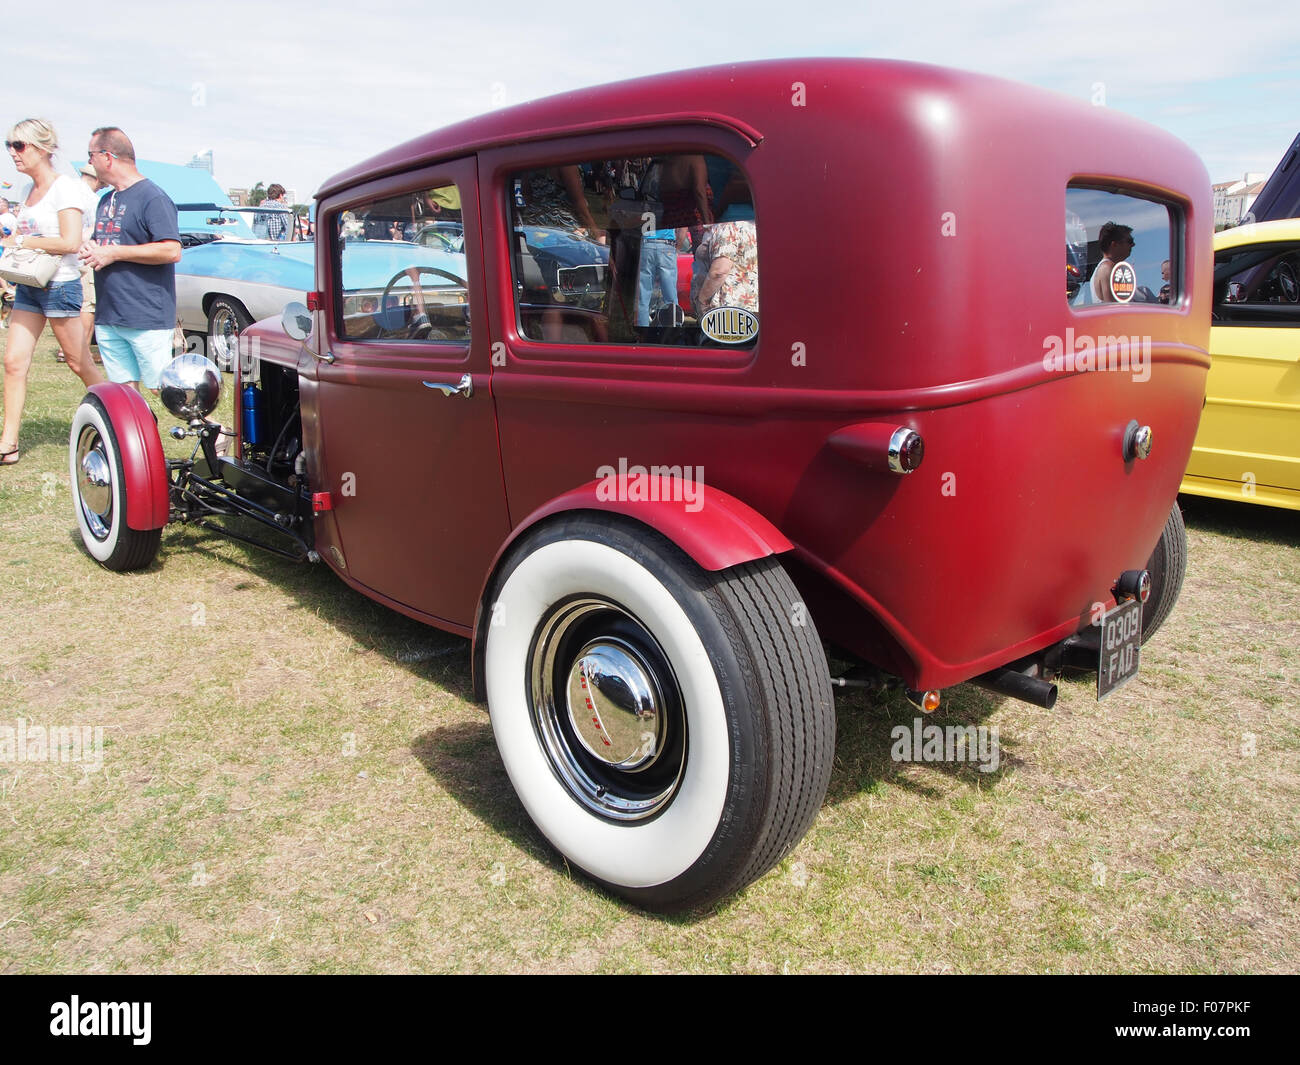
[[142, 550], [1168, 566], [795, 683], [787, 676]]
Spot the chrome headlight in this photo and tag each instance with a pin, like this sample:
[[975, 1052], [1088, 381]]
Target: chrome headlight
[[190, 386]]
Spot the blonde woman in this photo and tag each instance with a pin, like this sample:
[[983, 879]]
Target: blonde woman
[[49, 220]]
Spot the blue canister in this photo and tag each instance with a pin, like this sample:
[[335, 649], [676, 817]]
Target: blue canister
[[252, 425]]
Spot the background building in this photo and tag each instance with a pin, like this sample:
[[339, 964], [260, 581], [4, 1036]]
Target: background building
[[1232, 199]]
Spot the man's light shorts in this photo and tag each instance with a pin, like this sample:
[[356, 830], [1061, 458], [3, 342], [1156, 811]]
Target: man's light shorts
[[87, 290], [134, 354]]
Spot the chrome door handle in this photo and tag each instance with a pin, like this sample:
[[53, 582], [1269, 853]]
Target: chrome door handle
[[465, 388]]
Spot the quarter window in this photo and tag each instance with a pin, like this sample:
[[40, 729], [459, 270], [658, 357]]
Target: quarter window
[[401, 269], [639, 250]]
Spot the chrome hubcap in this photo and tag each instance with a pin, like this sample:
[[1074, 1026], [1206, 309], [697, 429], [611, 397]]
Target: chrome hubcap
[[94, 483], [224, 339], [607, 709], [613, 706]]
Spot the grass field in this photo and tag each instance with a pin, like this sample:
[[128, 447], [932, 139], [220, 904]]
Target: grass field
[[295, 779]]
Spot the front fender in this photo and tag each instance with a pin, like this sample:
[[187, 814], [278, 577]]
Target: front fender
[[714, 528], [144, 467]]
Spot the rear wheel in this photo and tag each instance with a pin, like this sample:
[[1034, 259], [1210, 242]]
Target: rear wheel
[[227, 319], [670, 730], [1167, 566], [99, 493]]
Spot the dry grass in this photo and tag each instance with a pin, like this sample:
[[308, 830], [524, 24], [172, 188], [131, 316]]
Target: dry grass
[[300, 783]]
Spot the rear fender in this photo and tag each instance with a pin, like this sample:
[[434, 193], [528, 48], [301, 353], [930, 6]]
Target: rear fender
[[714, 528], [144, 467]]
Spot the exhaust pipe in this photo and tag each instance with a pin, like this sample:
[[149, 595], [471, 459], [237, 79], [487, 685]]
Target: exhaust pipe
[[1019, 686]]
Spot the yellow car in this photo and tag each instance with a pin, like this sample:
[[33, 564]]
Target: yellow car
[[1248, 444]]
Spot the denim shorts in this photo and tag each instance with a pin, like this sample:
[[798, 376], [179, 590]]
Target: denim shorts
[[58, 299]]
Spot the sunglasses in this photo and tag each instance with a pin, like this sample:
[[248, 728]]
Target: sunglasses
[[92, 152], [17, 146]]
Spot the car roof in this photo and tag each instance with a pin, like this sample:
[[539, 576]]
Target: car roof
[[750, 99], [1257, 233]]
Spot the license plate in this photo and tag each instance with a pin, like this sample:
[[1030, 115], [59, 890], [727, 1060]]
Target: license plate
[[1121, 646]]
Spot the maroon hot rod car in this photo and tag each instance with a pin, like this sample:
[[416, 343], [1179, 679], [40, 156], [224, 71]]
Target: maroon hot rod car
[[884, 423]]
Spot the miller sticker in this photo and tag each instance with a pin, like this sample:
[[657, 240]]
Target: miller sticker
[[1123, 282], [730, 325]]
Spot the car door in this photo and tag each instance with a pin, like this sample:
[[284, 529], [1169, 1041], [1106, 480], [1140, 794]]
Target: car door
[[1250, 431], [409, 436]]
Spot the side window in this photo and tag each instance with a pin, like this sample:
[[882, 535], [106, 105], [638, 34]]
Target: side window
[[1119, 248], [1258, 285], [641, 250], [401, 269]]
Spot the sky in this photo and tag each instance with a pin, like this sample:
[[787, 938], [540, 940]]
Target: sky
[[295, 92]]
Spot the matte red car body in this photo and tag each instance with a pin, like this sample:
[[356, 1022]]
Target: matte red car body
[[928, 310], [144, 467]]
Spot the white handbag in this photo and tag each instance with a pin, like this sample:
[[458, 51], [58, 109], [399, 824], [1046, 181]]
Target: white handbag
[[28, 266]]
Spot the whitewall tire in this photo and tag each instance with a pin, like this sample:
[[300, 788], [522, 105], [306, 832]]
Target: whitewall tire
[[99, 492], [669, 730]]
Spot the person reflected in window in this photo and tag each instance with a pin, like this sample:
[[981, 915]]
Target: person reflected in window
[[684, 191], [1116, 243], [725, 268], [675, 190], [555, 197], [725, 271], [658, 263]]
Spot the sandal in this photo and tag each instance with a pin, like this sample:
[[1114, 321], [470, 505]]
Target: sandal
[[60, 357], [7, 457]]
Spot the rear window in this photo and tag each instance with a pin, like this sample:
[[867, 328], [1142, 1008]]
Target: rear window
[[1119, 248]]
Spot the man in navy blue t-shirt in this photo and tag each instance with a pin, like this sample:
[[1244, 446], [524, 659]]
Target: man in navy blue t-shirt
[[134, 253]]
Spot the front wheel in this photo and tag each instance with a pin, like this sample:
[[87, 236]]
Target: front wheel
[[227, 319], [99, 493], [670, 730]]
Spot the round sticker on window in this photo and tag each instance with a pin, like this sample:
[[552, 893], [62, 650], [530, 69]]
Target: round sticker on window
[[1123, 282], [730, 325]]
